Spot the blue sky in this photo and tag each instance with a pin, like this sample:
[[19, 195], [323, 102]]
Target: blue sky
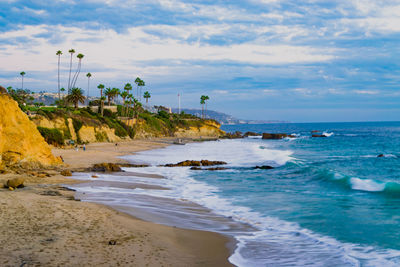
[[300, 61]]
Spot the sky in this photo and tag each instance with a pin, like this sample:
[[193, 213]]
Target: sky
[[299, 61]]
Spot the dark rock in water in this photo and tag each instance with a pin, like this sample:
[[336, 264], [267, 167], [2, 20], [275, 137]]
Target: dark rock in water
[[208, 169], [216, 169], [264, 167], [129, 165], [106, 167], [212, 163], [234, 135], [276, 136], [247, 134], [381, 156], [318, 135], [195, 163]]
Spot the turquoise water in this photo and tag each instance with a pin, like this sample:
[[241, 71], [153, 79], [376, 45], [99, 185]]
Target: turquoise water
[[335, 186], [328, 201]]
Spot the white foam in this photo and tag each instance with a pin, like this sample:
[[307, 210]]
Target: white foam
[[281, 240], [300, 245], [328, 134], [238, 153], [367, 185]]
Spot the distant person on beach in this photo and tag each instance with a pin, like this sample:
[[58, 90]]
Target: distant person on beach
[[84, 147], [116, 145], [76, 148]]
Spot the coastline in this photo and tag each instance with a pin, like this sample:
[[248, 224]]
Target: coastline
[[43, 219]]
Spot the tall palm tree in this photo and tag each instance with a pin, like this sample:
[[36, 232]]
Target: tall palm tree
[[88, 75], [129, 102], [124, 95], [128, 87], [22, 73], [206, 98], [146, 95], [202, 102], [141, 84], [101, 87], [71, 51], [75, 97], [115, 94], [59, 53], [137, 81], [108, 93], [78, 70]]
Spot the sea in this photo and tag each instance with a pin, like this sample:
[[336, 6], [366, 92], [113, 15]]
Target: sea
[[328, 201]]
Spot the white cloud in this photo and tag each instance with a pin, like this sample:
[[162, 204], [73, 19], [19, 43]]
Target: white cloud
[[366, 92], [120, 50]]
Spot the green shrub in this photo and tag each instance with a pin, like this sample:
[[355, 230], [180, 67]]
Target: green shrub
[[52, 136], [101, 136]]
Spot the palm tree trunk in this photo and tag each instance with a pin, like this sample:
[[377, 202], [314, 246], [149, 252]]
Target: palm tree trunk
[[59, 94], [78, 70], [205, 113], [22, 82], [88, 80], [69, 79]]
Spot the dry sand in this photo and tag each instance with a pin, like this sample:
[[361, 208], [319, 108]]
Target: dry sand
[[43, 225]]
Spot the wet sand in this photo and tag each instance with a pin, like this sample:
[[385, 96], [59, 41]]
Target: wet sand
[[43, 224]]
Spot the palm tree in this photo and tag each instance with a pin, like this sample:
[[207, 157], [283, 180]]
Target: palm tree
[[124, 95], [136, 108], [202, 102], [22, 73], [76, 96], [137, 81], [88, 75], [206, 98], [128, 87], [78, 70], [71, 51], [141, 84], [101, 87], [59, 53], [115, 94], [146, 95], [108, 93]]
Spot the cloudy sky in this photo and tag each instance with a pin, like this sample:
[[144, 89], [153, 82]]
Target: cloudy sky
[[301, 61]]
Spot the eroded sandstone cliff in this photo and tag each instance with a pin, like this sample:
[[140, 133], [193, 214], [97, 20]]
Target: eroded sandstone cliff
[[20, 141]]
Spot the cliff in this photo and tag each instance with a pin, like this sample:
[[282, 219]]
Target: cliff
[[20, 141]]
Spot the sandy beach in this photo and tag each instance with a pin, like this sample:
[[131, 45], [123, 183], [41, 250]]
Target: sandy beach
[[44, 225]]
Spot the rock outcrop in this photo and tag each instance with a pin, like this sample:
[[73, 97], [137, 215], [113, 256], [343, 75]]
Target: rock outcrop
[[318, 135], [234, 135], [106, 167], [276, 136], [20, 141], [196, 163], [208, 129]]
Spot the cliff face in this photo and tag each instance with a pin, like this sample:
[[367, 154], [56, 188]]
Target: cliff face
[[208, 129], [88, 133], [20, 141]]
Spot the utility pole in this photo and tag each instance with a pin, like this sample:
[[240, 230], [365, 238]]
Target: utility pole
[[179, 103]]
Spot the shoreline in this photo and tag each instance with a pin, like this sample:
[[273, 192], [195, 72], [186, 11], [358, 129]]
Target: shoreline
[[153, 244]]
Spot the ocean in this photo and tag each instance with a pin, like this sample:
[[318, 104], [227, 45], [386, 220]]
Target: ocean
[[328, 201]]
